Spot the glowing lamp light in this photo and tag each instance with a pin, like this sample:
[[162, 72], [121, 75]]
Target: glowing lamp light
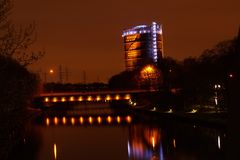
[[55, 99], [47, 121], [99, 119], [98, 98], [108, 98], [127, 96], [72, 120], [117, 97], [109, 119], [71, 98], [149, 69], [55, 120], [128, 119], [80, 98], [63, 99], [51, 71], [64, 120], [217, 86], [90, 119], [81, 120], [46, 99], [89, 98], [118, 119]]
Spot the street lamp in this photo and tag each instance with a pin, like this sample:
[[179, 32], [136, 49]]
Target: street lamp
[[230, 75], [148, 73], [216, 88], [51, 71]]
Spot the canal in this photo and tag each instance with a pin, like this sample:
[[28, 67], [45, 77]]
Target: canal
[[98, 131]]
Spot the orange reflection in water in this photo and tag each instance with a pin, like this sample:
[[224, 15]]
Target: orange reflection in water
[[153, 141], [55, 151], [152, 136], [90, 119], [174, 143], [64, 120], [72, 120], [118, 119], [145, 143], [129, 119], [81, 120], [109, 119], [99, 119], [55, 120], [47, 121]]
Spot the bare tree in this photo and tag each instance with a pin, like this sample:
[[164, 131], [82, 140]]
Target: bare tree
[[15, 42]]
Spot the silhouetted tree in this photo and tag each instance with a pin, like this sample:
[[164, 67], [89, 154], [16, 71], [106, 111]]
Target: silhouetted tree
[[124, 81], [170, 69], [15, 42], [17, 84]]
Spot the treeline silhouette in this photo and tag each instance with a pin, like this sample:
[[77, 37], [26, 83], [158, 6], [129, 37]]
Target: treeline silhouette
[[17, 84]]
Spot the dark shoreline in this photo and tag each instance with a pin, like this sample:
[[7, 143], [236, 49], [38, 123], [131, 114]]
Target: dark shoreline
[[215, 120]]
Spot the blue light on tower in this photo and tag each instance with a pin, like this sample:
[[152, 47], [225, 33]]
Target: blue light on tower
[[142, 43]]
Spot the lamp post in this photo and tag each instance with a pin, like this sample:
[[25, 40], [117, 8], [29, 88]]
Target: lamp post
[[45, 75], [51, 72], [217, 87]]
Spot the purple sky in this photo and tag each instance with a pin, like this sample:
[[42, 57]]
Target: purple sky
[[86, 35]]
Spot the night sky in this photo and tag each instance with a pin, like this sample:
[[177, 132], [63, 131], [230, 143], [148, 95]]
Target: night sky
[[86, 35]]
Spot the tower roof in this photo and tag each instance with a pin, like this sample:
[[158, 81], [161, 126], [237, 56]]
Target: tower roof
[[140, 29]]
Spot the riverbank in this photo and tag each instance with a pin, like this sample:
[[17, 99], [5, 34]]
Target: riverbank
[[12, 130], [218, 120]]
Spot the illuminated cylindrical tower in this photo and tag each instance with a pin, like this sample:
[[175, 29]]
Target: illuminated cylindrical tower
[[143, 44]]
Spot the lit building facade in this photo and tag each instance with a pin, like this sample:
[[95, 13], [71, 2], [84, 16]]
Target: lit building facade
[[143, 45]]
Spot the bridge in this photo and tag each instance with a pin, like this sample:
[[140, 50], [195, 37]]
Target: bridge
[[96, 96]]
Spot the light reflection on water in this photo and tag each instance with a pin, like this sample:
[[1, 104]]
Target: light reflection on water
[[122, 137], [89, 120]]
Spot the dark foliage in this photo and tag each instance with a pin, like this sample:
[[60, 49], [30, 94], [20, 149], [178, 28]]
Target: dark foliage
[[126, 80], [198, 76], [17, 85]]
